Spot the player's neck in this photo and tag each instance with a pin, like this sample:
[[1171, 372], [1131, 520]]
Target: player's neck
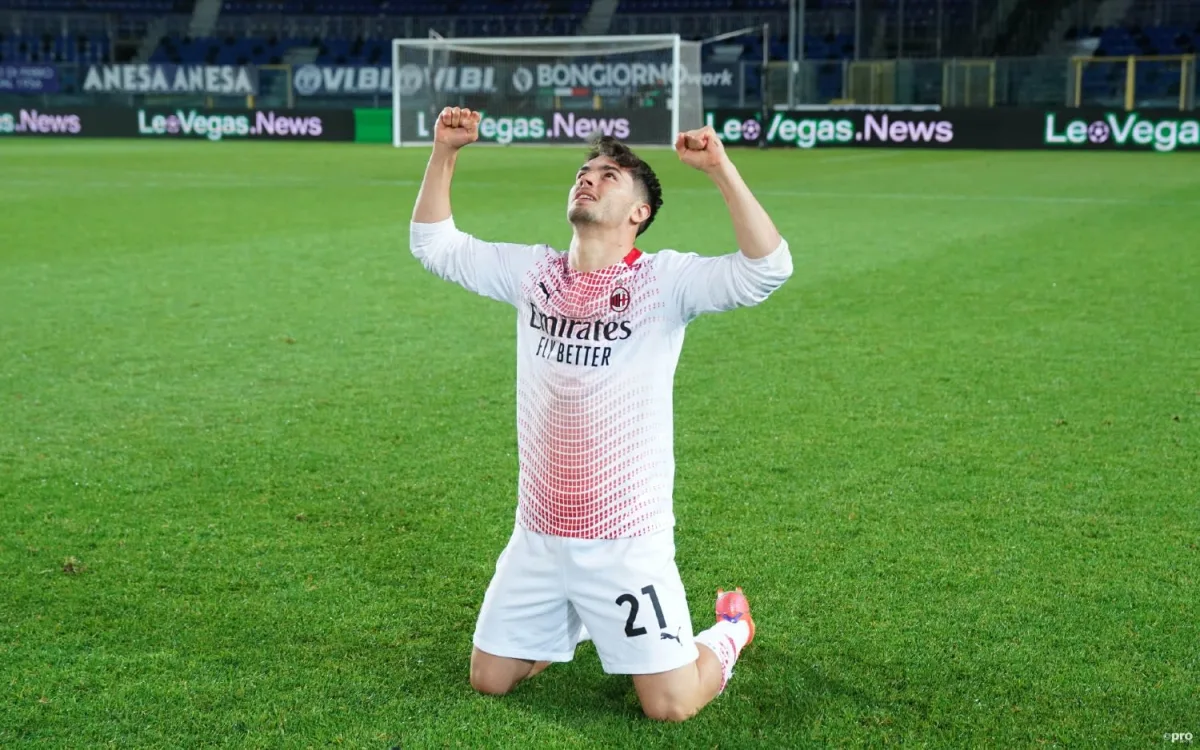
[[593, 249]]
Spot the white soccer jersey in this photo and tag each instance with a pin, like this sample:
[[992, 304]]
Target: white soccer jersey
[[596, 357]]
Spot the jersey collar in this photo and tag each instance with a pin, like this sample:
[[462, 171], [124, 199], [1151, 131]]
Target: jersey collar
[[632, 257]]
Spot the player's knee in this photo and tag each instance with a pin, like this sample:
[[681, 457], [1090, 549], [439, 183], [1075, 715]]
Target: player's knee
[[669, 709], [490, 682]]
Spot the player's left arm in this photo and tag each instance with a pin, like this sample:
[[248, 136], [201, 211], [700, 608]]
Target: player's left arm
[[753, 228], [763, 261]]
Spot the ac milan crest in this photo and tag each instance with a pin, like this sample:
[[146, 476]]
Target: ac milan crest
[[619, 300]]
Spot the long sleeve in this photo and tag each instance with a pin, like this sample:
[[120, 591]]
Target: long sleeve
[[490, 269], [703, 284]]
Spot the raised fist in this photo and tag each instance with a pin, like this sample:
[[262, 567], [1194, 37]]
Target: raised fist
[[701, 148], [456, 127]]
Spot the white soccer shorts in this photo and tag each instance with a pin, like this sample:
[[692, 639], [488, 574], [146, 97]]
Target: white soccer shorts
[[626, 591]]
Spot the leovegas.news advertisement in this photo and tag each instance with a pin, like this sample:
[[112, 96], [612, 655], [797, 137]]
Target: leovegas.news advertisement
[[327, 125], [212, 125], [933, 128], [43, 122], [504, 128]]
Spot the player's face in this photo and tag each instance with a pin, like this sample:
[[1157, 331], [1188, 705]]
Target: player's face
[[603, 194]]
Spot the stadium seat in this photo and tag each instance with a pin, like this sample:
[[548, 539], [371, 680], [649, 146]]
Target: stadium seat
[[46, 48]]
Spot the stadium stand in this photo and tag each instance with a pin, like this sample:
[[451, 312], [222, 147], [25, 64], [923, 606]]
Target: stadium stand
[[348, 32], [1157, 81], [236, 41], [132, 7], [48, 48], [1135, 40]]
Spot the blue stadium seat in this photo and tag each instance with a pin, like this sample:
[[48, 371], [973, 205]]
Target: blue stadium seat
[[125, 7], [61, 48], [1157, 81]]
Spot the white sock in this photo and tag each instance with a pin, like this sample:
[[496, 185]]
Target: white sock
[[726, 640]]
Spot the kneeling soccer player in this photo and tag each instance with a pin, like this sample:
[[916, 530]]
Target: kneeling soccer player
[[599, 331]]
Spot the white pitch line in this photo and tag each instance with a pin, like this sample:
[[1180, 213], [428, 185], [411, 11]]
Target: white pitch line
[[1053, 199], [217, 181], [77, 185], [870, 156]]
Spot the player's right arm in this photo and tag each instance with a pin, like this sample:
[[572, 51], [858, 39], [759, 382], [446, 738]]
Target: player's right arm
[[487, 268]]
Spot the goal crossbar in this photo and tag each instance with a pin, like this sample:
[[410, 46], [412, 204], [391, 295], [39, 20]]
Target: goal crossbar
[[523, 54], [516, 41]]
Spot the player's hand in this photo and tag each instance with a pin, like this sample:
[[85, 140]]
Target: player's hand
[[701, 149], [456, 127]]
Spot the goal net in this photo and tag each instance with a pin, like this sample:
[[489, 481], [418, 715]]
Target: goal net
[[546, 90]]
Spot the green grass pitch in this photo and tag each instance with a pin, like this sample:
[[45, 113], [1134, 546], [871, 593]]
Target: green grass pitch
[[955, 461]]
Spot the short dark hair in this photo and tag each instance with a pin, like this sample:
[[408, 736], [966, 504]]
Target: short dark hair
[[607, 145]]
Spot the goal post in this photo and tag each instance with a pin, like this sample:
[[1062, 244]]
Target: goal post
[[643, 89]]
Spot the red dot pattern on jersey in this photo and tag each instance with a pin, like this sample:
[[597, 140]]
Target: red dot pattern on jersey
[[595, 441]]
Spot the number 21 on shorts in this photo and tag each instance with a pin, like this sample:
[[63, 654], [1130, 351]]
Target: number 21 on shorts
[[630, 630]]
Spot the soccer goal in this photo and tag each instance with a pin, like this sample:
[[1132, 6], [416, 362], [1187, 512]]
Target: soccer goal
[[547, 90]]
